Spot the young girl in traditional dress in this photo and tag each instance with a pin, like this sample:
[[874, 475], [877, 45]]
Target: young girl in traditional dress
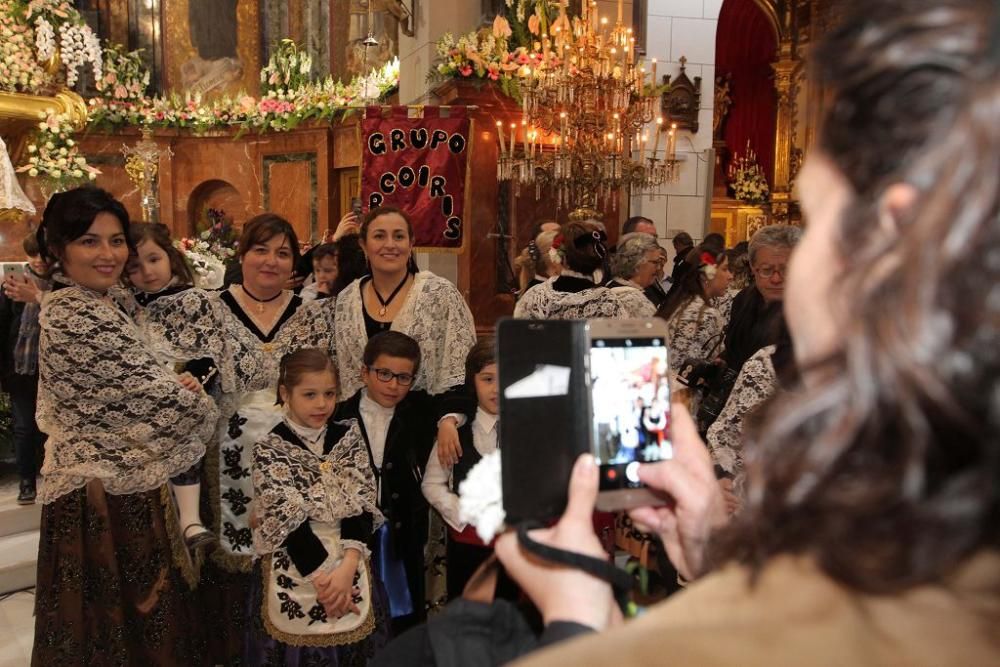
[[119, 427], [157, 269], [315, 601]]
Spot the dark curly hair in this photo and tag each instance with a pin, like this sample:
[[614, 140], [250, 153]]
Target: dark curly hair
[[885, 467]]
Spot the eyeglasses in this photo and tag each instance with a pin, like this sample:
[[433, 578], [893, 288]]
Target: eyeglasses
[[768, 271], [385, 375]]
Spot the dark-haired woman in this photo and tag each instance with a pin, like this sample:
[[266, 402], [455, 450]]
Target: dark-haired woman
[[246, 328], [695, 326], [869, 533], [119, 426], [396, 296], [580, 249], [427, 308]]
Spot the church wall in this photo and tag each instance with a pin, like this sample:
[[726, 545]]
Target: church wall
[[676, 28]]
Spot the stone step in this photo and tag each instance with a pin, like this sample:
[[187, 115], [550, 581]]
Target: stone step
[[18, 561], [16, 518]]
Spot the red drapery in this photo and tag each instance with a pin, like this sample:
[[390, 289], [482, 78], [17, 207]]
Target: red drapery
[[745, 46]]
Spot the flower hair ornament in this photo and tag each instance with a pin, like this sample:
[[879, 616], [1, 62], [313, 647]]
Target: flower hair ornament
[[708, 265], [556, 252], [533, 252], [597, 239]]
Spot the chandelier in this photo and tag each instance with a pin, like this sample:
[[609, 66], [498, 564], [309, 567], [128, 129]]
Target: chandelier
[[585, 108]]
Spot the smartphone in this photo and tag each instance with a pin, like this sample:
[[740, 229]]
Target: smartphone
[[356, 207], [14, 269], [630, 399], [544, 403]]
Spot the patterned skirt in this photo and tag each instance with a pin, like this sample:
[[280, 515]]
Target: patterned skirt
[[108, 592]]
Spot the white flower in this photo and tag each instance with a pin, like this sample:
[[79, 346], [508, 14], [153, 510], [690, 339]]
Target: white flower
[[709, 270], [45, 39], [32, 172], [480, 500]]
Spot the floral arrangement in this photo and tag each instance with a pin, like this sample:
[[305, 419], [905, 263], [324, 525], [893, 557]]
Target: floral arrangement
[[125, 75], [54, 156], [280, 109], [504, 51], [208, 253], [20, 70], [288, 69], [746, 179], [38, 37], [556, 253]]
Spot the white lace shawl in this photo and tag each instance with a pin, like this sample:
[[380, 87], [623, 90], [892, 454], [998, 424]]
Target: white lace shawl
[[435, 315], [634, 302], [543, 302], [692, 332], [292, 484], [195, 323], [110, 410], [756, 383]]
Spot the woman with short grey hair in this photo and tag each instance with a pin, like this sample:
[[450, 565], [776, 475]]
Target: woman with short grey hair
[[637, 263]]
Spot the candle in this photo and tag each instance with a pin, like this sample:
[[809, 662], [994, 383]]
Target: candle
[[524, 136], [503, 148], [513, 129], [654, 73], [656, 139], [673, 140], [620, 2]]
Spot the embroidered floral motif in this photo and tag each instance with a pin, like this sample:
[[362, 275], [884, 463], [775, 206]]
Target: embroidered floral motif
[[235, 424], [232, 458], [237, 500], [290, 607], [317, 613], [286, 582], [239, 538], [693, 331]]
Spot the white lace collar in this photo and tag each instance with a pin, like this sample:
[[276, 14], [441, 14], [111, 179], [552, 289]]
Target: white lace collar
[[312, 437]]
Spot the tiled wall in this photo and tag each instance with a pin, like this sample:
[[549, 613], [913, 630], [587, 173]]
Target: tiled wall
[[686, 28]]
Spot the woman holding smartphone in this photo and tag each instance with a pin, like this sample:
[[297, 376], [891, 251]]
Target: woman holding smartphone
[[869, 532]]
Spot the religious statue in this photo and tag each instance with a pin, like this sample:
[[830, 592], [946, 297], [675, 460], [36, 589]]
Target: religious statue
[[723, 102]]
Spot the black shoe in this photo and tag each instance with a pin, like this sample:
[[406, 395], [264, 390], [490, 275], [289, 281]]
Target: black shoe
[[27, 494]]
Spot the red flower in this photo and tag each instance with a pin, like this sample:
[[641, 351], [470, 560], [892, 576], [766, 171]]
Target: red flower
[[557, 242], [707, 258]]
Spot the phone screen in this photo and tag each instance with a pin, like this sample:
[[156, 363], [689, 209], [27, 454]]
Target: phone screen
[[630, 398], [356, 206]]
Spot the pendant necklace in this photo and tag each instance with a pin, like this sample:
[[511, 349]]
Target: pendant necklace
[[260, 302], [385, 302]]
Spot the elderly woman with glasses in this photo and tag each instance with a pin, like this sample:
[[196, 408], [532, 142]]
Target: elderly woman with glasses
[[636, 265]]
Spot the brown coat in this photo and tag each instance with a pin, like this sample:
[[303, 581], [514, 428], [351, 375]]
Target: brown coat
[[796, 615]]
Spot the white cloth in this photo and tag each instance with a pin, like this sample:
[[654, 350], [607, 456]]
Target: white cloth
[[434, 314], [376, 419], [436, 486], [11, 194], [312, 437], [694, 329]]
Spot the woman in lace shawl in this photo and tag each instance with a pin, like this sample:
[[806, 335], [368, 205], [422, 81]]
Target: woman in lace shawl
[[695, 326], [396, 296], [246, 329], [119, 427], [316, 600], [577, 293], [425, 307], [636, 264]]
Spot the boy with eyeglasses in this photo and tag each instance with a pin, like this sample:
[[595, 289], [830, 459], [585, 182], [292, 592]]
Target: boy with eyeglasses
[[399, 426]]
